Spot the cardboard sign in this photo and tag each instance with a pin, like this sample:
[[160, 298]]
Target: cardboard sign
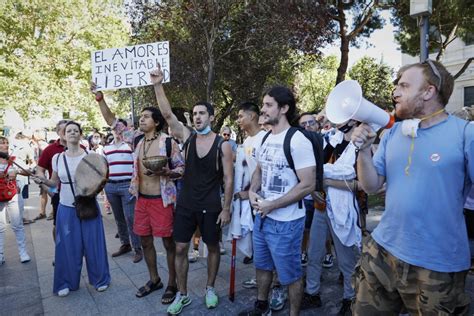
[[128, 67]]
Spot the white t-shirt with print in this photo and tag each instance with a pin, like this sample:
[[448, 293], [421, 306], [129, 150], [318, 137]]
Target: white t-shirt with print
[[65, 195], [277, 176], [251, 145]]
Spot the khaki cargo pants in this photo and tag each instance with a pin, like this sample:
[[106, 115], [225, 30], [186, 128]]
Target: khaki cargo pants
[[385, 284]]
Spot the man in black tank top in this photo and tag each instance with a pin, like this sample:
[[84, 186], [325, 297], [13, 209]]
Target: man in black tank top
[[208, 164]]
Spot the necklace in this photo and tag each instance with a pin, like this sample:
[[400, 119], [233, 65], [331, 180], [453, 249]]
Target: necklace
[[149, 142]]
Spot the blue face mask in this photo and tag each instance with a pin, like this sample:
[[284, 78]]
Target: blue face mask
[[204, 131]]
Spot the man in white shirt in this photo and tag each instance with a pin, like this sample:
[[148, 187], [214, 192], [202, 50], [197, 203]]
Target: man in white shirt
[[275, 193]]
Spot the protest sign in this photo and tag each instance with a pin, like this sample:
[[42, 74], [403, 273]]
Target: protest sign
[[128, 67]]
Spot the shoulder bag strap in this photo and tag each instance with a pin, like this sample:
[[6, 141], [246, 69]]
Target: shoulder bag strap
[[68, 175]]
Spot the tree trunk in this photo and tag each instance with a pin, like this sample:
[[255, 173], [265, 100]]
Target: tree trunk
[[342, 69], [344, 63], [210, 78]]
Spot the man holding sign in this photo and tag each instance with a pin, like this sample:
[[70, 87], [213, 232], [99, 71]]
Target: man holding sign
[[208, 161]]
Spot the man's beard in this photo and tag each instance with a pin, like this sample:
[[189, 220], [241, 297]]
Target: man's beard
[[415, 107], [272, 121]]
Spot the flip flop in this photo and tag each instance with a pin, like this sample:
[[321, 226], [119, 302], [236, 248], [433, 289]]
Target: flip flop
[[40, 216], [169, 295], [148, 288]]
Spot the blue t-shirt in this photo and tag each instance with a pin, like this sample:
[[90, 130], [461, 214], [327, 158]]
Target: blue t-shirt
[[423, 223]]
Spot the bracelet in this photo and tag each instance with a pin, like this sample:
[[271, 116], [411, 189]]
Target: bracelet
[[99, 97]]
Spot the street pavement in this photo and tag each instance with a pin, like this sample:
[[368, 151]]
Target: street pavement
[[26, 289]]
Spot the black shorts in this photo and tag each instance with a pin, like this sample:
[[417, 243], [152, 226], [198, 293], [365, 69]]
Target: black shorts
[[186, 220], [55, 204]]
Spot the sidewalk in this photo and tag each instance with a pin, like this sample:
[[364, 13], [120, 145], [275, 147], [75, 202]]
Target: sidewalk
[[26, 289]]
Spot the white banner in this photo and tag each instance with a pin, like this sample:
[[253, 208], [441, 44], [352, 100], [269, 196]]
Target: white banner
[[128, 67]]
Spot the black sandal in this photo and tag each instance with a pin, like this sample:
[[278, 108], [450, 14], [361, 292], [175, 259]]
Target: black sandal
[[148, 288], [169, 295]]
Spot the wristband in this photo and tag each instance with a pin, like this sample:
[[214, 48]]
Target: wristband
[[99, 97]]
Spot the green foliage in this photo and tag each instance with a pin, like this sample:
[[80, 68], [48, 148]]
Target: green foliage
[[449, 19], [227, 51], [315, 82], [45, 51], [375, 79]]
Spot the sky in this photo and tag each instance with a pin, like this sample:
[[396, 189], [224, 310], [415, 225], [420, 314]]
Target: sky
[[383, 47]]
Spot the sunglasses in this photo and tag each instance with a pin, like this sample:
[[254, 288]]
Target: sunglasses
[[224, 134], [435, 72], [308, 123]]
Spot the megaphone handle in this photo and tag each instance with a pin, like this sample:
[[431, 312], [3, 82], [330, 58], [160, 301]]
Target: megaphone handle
[[374, 127]]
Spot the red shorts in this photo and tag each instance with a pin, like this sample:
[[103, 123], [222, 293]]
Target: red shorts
[[152, 218]]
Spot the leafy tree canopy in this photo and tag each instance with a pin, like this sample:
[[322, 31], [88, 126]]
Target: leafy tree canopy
[[227, 51], [375, 79], [45, 51]]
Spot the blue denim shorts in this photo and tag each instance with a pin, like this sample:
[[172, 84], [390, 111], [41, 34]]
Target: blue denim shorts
[[277, 245]]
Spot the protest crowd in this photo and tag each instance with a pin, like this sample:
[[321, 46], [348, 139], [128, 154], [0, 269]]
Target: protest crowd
[[292, 198]]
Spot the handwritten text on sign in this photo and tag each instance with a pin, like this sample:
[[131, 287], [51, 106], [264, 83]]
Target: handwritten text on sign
[[127, 67]]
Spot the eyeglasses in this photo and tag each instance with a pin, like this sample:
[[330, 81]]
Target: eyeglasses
[[308, 123], [435, 72]]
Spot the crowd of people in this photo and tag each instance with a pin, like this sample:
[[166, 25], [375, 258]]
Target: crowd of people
[[290, 228]]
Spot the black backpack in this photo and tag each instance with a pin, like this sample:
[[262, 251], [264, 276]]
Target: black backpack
[[317, 141]]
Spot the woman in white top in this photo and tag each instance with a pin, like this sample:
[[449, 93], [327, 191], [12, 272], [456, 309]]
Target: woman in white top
[[8, 173], [75, 238]]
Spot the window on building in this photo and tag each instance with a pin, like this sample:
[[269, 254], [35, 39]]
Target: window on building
[[469, 96]]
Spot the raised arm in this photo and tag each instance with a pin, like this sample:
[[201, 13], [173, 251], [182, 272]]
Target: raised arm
[[104, 108], [178, 129]]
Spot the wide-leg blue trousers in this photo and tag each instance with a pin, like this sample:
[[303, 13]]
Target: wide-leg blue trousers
[[76, 239]]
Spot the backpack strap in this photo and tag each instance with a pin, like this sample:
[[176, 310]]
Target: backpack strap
[[265, 137], [186, 144], [287, 149], [68, 175], [136, 140], [466, 175], [289, 158], [168, 150]]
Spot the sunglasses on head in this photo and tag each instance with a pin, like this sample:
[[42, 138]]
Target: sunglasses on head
[[435, 72]]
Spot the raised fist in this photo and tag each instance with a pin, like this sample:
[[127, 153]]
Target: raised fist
[[156, 76]]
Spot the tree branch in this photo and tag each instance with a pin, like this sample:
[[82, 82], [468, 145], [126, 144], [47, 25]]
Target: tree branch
[[464, 67], [362, 24]]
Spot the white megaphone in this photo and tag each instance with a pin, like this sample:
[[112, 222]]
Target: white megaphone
[[345, 102]]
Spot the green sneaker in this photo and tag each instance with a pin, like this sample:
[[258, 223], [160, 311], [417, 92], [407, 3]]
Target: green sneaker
[[211, 297], [178, 304]]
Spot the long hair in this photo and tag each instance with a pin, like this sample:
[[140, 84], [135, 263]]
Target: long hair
[[156, 116]]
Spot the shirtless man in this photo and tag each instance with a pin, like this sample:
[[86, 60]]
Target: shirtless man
[[156, 198], [208, 162]]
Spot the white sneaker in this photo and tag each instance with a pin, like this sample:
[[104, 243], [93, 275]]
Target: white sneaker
[[24, 258], [102, 288], [193, 255], [63, 292]]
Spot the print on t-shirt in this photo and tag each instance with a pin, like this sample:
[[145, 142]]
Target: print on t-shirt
[[275, 177]]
